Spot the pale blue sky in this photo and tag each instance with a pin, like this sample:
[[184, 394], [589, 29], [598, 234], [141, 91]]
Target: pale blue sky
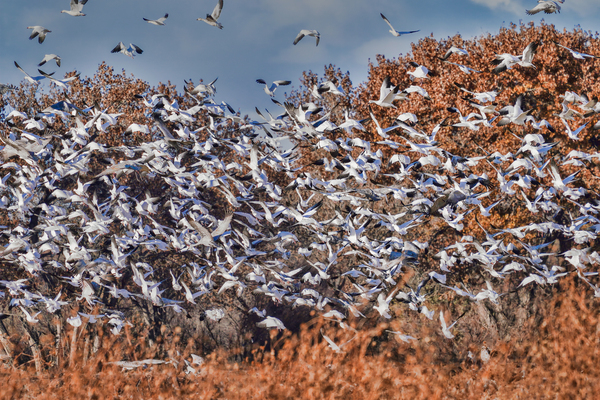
[[256, 41]]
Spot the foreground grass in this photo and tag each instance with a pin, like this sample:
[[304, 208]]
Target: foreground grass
[[557, 359]]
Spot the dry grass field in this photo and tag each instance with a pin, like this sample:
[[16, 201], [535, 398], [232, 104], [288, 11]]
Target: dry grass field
[[555, 359]]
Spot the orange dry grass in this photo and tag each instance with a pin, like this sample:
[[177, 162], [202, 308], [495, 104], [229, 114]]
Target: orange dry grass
[[557, 359]]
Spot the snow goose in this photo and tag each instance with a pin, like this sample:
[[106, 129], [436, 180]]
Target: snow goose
[[420, 71], [401, 336], [482, 97], [270, 90], [128, 51], [506, 61], [387, 94], [332, 88], [307, 32], [575, 54], [445, 329], [514, 114], [333, 345], [568, 113], [271, 322], [202, 88], [158, 22], [29, 78], [547, 6], [466, 121], [76, 7], [394, 31], [211, 19], [59, 82], [573, 135], [463, 68], [454, 50], [50, 57], [30, 318], [38, 31]]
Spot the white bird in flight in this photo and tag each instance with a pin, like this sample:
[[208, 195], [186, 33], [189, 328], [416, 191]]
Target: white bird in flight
[[506, 61], [50, 57], [128, 51], [158, 22], [30, 318], [307, 32], [211, 19], [76, 7], [446, 329], [547, 6], [271, 322], [333, 345], [576, 54], [394, 31], [270, 90], [59, 82], [573, 135], [38, 31], [387, 94], [454, 50], [29, 78]]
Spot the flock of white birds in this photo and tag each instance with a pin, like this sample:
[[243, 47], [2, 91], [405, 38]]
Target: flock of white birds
[[91, 236]]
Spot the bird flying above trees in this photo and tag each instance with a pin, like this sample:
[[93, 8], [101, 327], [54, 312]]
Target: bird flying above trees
[[576, 54], [158, 22], [50, 57], [211, 19], [38, 31], [454, 50], [394, 31], [270, 90], [76, 7], [130, 51], [547, 6], [506, 61], [29, 78], [307, 32]]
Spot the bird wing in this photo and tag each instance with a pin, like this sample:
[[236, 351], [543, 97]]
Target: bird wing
[[217, 11], [300, 36], [136, 48], [529, 51], [448, 53], [536, 9], [76, 5], [386, 87], [223, 226], [118, 48], [47, 58], [21, 69], [386, 20], [47, 75], [162, 19], [204, 233], [331, 343], [34, 33], [406, 32], [443, 321]]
